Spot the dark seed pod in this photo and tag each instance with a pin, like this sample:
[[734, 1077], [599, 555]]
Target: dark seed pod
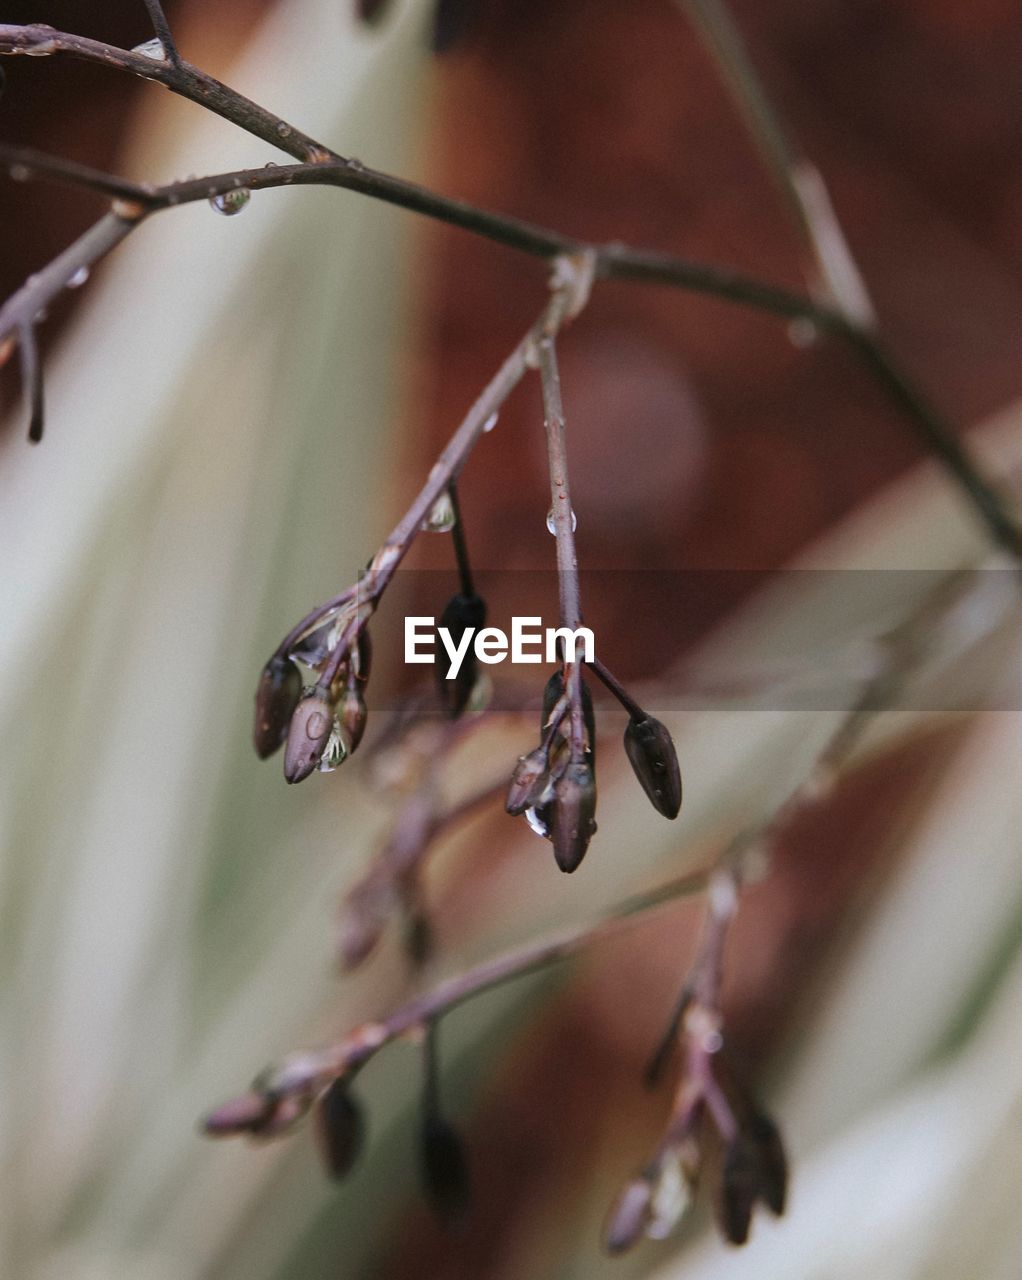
[[628, 1217], [529, 775], [572, 810], [445, 1177], [340, 1129], [773, 1163], [460, 613], [739, 1189], [655, 762], [307, 736], [280, 687]]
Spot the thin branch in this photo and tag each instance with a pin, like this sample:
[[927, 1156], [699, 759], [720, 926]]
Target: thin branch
[[611, 261], [799, 180]]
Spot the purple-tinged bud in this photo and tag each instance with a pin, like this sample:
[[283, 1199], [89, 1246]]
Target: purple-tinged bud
[[352, 715], [529, 776], [340, 1129], [572, 811], [246, 1114], [280, 687], [445, 1177], [460, 613], [308, 734], [628, 1217], [655, 763]]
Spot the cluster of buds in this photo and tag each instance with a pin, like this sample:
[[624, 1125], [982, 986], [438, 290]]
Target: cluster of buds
[[716, 1131], [282, 1096], [322, 722], [554, 786]]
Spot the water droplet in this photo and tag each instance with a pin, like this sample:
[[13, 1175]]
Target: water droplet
[[79, 278], [20, 172], [441, 518], [482, 693], [551, 525], [152, 49], [671, 1197], [335, 752], [283, 130], [230, 202], [536, 823], [490, 422]]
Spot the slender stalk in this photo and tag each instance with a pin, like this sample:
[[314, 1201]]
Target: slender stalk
[[799, 181], [616, 688], [322, 165]]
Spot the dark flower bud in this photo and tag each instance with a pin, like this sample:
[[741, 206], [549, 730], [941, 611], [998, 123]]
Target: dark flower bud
[[628, 1217], [280, 687], [444, 1170], [529, 775], [655, 762], [773, 1163], [352, 715], [340, 1129], [460, 613], [739, 1189], [572, 822], [362, 661], [308, 734]]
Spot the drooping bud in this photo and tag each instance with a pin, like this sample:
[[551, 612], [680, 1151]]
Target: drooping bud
[[308, 734], [461, 613], [445, 1176], [528, 777], [246, 1114], [352, 715], [340, 1129], [739, 1189], [280, 687], [651, 752], [629, 1214], [773, 1162], [572, 811]]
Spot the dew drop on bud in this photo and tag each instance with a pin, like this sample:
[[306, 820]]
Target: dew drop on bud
[[152, 49], [79, 278], [536, 822], [335, 752], [441, 518], [671, 1198], [551, 524], [230, 202]]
